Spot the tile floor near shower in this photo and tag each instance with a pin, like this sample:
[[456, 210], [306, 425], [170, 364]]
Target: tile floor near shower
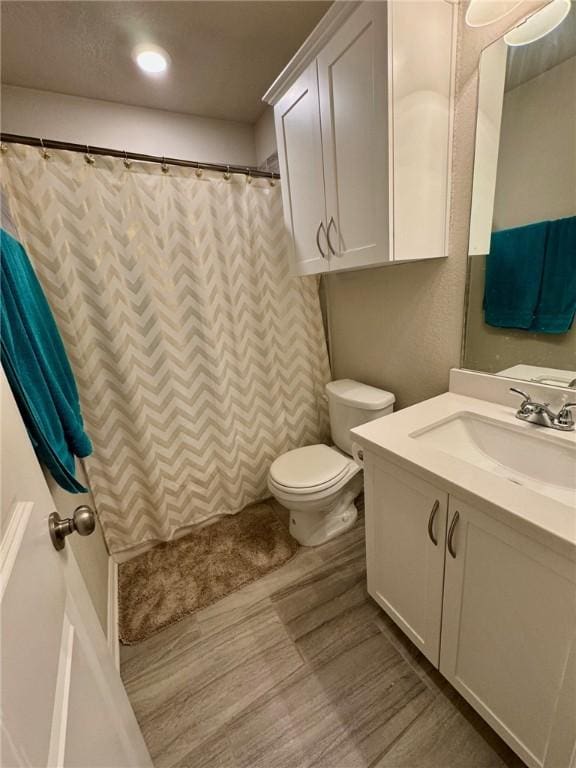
[[301, 669]]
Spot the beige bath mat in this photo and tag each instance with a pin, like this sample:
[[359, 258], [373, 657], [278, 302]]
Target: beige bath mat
[[175, 579]]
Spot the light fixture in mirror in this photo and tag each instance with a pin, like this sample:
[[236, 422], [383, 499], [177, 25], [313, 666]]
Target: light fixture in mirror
[[480, 13], [521, 296], [540, 24]]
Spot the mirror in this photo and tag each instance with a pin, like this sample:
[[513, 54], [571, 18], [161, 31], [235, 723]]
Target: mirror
[[521, 292]]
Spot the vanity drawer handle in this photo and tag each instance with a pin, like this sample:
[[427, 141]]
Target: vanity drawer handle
[[433, 513], [451, 533]]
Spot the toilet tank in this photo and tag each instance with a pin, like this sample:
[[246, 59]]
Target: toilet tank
[[351, 404]]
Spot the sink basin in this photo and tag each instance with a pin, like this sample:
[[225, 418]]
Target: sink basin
[[535, 459]]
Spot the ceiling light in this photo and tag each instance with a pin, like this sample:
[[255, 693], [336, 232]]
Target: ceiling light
[[151, 59], [538, 25]]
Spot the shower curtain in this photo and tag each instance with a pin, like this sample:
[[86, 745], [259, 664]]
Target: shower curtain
[[198, 358]]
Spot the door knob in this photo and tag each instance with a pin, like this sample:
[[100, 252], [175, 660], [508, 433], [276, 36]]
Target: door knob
[[83, 521]]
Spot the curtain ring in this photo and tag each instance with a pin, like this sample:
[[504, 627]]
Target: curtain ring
[[88, 157], [127, 162], [199, 171], [272, 181], [44, 151], [249, 176], [165, 166], [227, 173], [3, 148]]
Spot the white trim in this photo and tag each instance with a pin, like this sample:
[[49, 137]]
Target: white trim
[[450, 158], [12, 540], [62, 696], [316, 40], [112, 618]]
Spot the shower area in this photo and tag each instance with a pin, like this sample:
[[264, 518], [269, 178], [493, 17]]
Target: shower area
[[198, 358]]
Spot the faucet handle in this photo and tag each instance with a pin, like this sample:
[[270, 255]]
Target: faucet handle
[[564, 417], [527, 398]]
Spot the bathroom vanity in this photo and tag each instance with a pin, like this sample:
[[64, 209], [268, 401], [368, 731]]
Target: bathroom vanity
[[471, 550]]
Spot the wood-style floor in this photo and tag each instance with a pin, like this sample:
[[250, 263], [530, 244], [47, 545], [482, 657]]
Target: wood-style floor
[[301, 670]]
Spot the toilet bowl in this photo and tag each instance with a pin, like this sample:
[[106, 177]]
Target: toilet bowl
[[318, 483]]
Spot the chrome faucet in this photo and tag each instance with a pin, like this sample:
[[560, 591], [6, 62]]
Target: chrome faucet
[[540, 413]]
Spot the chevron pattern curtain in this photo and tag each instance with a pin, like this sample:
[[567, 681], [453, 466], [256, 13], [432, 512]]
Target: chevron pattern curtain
[[198, 358]]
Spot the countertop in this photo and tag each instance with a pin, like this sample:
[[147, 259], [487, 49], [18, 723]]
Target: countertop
[[535, 514]]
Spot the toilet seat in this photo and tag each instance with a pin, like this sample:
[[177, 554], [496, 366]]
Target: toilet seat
[[311, 469]]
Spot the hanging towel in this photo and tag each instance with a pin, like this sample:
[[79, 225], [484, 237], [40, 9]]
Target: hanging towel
[[38, 370], [557, 300], [514, 270]]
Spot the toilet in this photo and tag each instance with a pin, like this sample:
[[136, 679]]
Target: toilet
[[318, 483]]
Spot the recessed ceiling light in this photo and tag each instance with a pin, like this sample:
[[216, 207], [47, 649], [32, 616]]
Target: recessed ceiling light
[[539, 24], [151, 59]]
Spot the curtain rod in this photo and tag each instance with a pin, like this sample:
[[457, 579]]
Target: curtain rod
[[13, 138]]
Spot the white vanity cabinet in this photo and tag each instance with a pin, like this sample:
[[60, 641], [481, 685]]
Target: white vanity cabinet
[[508, 627], [363, 120], [500, 606], [405, 534]]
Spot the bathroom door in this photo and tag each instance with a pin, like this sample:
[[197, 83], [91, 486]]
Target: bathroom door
[[62, 700]]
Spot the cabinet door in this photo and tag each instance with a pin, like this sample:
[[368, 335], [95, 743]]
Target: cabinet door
[[352, 76], [420, 54], [508, 626], [405, 534], [297, 119]]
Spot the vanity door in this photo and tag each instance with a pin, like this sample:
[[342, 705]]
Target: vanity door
[[405, 535], [508, 633]]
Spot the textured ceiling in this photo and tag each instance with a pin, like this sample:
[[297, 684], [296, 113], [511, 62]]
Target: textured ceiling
[[224, 54], [528, 61]]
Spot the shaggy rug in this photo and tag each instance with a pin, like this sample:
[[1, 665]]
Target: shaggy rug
[[177, 578]]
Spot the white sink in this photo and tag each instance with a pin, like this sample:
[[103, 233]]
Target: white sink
[[530, 457]]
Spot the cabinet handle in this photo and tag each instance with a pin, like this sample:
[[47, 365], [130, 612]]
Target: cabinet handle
[[433, 513], [451, 533], [321, 226], [330, 223]]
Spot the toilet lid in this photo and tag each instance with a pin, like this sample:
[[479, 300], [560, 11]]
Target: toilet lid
[[309, 467]]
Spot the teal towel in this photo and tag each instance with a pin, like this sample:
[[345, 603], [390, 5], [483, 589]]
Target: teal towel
[[557, 300], [36, 365], [514, 274]]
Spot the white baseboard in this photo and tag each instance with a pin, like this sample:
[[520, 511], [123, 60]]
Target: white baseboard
[[112, 625]]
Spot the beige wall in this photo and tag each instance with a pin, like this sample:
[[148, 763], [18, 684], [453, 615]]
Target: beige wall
[[400, 326], [536, 177], [119, 126], [265, 136], [536, 181]]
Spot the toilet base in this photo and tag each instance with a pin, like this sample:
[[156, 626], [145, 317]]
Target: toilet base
[[310, 529]]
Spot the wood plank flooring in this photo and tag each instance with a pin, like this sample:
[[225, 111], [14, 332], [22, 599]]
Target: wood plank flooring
[[301, 670]]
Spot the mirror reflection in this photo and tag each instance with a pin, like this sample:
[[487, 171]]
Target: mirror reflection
[[521, 297]]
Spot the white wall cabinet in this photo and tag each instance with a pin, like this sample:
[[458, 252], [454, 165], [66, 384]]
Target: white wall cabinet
[[297, 119], [352, 86], [500, 607], [363, 125]]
